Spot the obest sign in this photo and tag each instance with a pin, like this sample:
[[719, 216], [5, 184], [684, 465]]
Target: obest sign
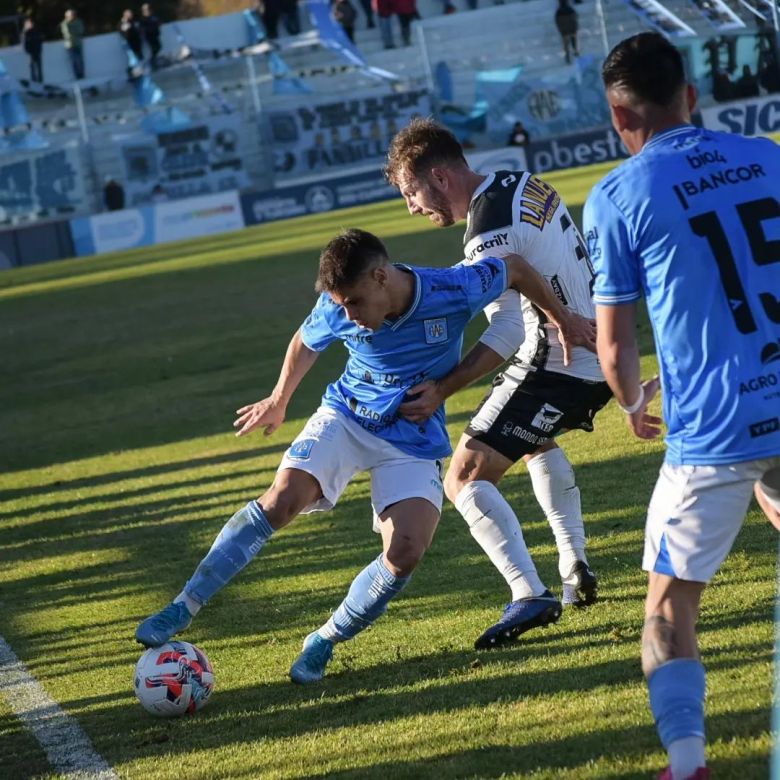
[[573, 151], [749, 117]]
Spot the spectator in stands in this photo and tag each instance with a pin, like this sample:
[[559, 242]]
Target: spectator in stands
[[369, 12], [384, 10], [407, 12], [131, 32], [32, 40], [519, 135], [747, 84], [567, 23], [269, 11], [722, 87], [159, 195], [769, 75], [113, 195], [344, 13], [290, 17], [150, 28], [72, 30]]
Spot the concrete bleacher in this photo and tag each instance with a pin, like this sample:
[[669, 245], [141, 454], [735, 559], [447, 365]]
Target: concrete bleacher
[[516, 32]]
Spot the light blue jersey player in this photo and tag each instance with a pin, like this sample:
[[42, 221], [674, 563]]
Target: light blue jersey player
[[401, 326], [692, 224]]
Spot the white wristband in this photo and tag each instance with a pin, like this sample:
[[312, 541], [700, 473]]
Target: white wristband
[[637, 404]]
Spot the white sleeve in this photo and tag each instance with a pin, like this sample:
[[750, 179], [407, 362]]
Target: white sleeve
[[506, 332]]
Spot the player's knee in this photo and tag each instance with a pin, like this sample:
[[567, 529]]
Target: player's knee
[[281, 505], [404, 554], [457, 477], [658, 643]]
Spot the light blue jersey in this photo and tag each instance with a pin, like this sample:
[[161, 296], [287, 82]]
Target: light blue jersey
[[692, 223], [424, 343]]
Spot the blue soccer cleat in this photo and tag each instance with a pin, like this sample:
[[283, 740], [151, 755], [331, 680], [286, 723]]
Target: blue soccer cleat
[[157, 629], [521, 616], [310, 665], [582, 588]]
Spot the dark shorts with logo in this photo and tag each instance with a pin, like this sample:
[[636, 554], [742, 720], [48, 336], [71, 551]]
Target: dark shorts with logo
[[516, 417]]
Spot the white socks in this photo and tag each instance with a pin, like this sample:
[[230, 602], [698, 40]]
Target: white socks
[[552, 478], [495, 527], [686, 756]]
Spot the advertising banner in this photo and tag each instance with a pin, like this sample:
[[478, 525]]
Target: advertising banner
[[564, 102], [42, 184], [129, 228], [573, 151], [323, 138], [296, 200], [758, 116], [200, 158]]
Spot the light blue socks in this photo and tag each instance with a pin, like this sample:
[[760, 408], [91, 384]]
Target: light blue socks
[[242, 537], [367, 600]]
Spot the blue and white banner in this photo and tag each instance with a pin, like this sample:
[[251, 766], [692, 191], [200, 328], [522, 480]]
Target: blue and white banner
[[564, 102], [332, 36], [323, 138], [573, 151], [294, 201], [758, 116], [193, 159], [190, 218], [660, 18], [42, 185]]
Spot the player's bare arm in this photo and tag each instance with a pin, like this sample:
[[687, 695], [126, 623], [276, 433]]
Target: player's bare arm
[[430, 395], [270, 411], [619, 357], [574, 330]]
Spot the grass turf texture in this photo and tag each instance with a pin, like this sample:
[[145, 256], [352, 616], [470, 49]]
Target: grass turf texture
[[120, 377]]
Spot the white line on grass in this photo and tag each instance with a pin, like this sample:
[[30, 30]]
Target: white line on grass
[[67, 746]]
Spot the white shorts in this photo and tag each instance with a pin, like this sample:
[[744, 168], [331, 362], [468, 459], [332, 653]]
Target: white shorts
[[696, 513], [333, 448]]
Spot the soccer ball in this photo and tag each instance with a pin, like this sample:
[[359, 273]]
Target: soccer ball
[[173, 679]]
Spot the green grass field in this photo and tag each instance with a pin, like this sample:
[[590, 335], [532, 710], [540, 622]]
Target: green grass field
[[118, 466]]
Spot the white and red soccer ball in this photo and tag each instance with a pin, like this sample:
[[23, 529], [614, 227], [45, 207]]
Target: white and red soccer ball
[[173, 679]]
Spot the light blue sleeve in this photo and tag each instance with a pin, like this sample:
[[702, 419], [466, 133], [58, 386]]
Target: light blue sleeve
[[316, 331], [484, 282], [611, 250]]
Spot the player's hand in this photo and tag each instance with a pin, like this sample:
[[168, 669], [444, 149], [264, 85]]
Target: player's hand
[[576, 331], [428, 398], [644, 425], [268, 413]]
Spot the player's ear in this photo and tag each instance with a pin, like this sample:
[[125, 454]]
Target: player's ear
[[440, 178], [691, 97], [623, 118], [380, 275]]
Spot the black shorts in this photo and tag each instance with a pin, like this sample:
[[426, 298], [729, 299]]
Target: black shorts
[[517, 417]]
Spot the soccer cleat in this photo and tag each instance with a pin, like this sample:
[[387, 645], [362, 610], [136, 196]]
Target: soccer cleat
[[702, 773], [520, 616], [310, 665], [582, 592], [157, 629]]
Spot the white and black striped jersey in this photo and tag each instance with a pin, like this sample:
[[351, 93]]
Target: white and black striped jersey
[[516, 212]]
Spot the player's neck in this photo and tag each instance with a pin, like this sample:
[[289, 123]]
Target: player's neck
[[402, 285], [471, 182], [662, 124]]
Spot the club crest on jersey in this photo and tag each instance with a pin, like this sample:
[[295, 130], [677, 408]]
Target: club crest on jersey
[[435, 330], [300, 450]]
